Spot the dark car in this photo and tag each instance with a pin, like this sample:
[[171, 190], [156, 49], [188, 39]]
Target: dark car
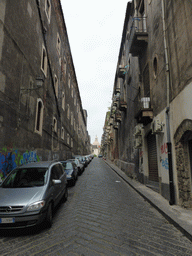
[[85, 161], [30, 193], [81, 160], [71, 170], [80, 166]]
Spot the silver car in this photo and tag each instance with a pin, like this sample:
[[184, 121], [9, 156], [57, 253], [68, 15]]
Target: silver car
[[30, 193]]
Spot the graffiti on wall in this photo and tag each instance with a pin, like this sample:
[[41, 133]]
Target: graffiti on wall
[[11, 158], [164, 160]]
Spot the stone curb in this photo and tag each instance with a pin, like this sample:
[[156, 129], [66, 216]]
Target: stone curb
[[181, 218]]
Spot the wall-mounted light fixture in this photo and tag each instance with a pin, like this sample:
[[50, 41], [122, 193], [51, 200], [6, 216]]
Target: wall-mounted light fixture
[[39, 81], [38, 84]]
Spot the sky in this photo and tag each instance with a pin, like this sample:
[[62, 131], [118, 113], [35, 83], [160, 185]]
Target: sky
[[94, 30]]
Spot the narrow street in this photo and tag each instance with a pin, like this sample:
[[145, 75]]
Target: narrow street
[[103, 216]]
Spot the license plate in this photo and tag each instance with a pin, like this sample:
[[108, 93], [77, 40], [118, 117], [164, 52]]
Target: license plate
[[7, 220]]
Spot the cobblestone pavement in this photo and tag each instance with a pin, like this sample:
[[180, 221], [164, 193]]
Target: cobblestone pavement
[[103, 216]]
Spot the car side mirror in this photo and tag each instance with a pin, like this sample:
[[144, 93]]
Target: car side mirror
[[56, 182]]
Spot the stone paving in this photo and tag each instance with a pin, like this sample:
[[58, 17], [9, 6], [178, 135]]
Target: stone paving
[[103, 216]]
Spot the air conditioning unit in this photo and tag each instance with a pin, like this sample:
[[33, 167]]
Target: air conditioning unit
[[138, 142], [137, 130], [156, 126]]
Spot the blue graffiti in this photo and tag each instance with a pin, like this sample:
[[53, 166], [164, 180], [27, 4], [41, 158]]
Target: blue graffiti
[[7, 163], [165, 163], [10, 160], [29, 157]]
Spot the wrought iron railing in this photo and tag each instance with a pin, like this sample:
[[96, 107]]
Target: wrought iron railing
[[139, 25], [141, 103]]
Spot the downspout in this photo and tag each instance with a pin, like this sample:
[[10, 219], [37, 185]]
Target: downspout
[[169, 144]]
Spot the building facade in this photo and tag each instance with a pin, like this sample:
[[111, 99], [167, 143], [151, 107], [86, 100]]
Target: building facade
[[41, 114], [96, 147], [150, 113]]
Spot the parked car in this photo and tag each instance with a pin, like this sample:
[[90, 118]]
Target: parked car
[[30, 193], [85, 161], [71, 170], [80, 166], [81, 160]]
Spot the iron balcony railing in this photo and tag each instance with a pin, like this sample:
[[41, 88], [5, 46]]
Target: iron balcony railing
[[141, 103], [139, 25]]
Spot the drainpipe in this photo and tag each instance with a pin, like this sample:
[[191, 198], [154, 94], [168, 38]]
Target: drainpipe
[[169, 144]]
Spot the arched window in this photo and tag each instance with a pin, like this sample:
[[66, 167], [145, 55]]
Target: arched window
[[62, 133], [56, 85], [63, 100], [39, 117], [54, 125]]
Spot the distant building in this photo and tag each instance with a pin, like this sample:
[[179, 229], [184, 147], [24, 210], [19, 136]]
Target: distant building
[[96, 147]]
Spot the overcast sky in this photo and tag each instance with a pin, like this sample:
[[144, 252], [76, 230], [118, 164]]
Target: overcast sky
[[95, 29]]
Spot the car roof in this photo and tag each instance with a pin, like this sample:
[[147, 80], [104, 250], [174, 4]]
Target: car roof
[[40, 164]]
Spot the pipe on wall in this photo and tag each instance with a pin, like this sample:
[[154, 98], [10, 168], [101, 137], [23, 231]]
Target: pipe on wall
[[169, 144]]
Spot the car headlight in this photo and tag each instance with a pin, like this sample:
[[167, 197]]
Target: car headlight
[[36, 206]]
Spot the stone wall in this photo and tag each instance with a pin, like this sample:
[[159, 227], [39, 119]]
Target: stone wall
[[182, 137], [127, 168]]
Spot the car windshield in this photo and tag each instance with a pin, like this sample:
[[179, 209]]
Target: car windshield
[[67, 166], [26, 177]]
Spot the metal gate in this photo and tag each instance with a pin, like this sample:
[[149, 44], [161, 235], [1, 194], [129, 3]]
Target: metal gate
[[152, 158]]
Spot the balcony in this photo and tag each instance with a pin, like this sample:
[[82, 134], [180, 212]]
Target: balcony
[[115, 125], [115, 99], [111, 121], [111, 136], [138, 36], [121, 72], [143, 111], [118, 116], [122, 105], [117, 90]]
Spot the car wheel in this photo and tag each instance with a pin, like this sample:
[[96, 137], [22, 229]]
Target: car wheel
[[49, 217]]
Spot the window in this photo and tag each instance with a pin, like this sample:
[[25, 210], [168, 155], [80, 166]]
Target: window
[[69, 81], [54, 125], [56, 172], [48, 9], [62, 133], [56, 85], [58, 46], [44, 61], [68, 138], [71, 90], [63, 100], [71, 118], [71, 142], [39, 117], [68, 111], [146, 81], [155, 67], [65, 66], [77, 108]]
